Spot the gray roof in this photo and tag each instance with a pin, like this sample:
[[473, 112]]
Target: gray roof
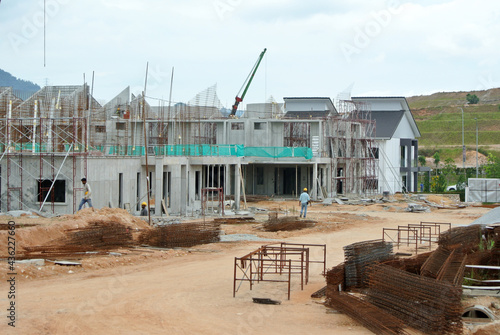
[[306, 114], [386, 122]]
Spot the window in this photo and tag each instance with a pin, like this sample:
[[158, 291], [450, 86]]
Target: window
[[237, 126], [120, 126], [260, 176], [57, 192], [100, 129], [259, 126]]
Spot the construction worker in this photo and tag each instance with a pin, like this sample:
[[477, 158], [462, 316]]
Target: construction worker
[[144, 210], [87, 192], [303, 202]]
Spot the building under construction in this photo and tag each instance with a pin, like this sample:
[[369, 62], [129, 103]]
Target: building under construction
[[185, 158]]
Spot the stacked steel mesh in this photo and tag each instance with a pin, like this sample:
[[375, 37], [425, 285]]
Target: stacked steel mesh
[[334, 279], [375, 319], [181, 235], [412, 264], [453, 268], [466, 237], [433, 264], [97, 236], [287, 223], [426, 304], [358, 255]]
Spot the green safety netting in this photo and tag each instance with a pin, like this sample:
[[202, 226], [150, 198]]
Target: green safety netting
[[208, 150]]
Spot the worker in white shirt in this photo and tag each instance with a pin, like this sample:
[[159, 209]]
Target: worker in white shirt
[[86, 194]]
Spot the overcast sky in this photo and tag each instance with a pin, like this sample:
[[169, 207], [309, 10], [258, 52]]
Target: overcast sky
[[314, 48]]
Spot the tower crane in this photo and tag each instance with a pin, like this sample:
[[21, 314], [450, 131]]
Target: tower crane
[[246, 84]]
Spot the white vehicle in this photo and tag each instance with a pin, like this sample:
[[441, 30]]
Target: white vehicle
[[451, 188]]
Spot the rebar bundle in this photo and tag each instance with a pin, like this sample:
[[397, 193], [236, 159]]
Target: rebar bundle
[[335, 279], [370, 316], [97, 236], [461, 237], [453, 268], [287, 223], [182, 235], [412, 264], [434, 263], [426, 304], [359, 255]]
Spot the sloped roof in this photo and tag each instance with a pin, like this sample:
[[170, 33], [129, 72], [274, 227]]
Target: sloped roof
[[388, 113], [386, 122], [308, 107]]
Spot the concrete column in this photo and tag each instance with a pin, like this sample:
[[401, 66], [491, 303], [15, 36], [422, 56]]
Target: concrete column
[[158, 186], [227, 179], [237, 185], [315, 182], [175, 189]]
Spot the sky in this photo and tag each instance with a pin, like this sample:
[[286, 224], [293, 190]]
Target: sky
[[321, 48]]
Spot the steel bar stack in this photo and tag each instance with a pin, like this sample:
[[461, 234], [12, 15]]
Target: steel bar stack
[[359, 255], [287, 223], [181, 235], [97, 236], [375, 319], [461, 237], [426, 304]]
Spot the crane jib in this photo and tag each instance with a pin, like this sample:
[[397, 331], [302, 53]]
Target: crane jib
[[246, 83]]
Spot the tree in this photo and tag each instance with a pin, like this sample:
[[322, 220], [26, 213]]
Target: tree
[[492, 168], [438, 184], [449, 168], [437, 159], [472, 98], [421, 160]]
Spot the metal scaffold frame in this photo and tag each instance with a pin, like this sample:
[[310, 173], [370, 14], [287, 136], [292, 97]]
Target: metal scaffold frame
[[352, 149], [43, 139]]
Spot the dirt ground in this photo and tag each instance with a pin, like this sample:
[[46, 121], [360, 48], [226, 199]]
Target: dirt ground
[[190, 291]]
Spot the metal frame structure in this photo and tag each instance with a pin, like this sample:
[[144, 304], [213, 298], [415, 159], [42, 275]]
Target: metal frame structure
[[282, 259]]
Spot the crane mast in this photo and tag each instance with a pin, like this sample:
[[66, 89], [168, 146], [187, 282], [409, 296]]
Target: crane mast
[[246, 84]]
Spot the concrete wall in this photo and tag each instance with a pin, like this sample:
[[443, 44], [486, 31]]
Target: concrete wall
[[389, 164]]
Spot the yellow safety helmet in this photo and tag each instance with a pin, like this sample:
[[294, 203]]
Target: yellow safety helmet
[[305, 189], [144, 204]]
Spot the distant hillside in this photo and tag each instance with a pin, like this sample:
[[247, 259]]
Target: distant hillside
[[20, 86], [439, 119]]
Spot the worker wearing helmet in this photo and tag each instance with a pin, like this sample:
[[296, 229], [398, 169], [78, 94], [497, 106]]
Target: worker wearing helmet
[[304, 200], [144, 210]]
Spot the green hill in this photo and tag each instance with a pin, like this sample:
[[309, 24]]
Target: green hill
[[439, 119], [21, 87]]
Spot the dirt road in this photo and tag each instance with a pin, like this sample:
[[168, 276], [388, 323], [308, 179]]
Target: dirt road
[[190, 291]]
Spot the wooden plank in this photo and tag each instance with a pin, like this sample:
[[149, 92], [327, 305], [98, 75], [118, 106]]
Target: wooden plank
[[163, 206]]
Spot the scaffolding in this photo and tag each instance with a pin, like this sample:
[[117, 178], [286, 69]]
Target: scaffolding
[[43, 139], [352, 148]]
